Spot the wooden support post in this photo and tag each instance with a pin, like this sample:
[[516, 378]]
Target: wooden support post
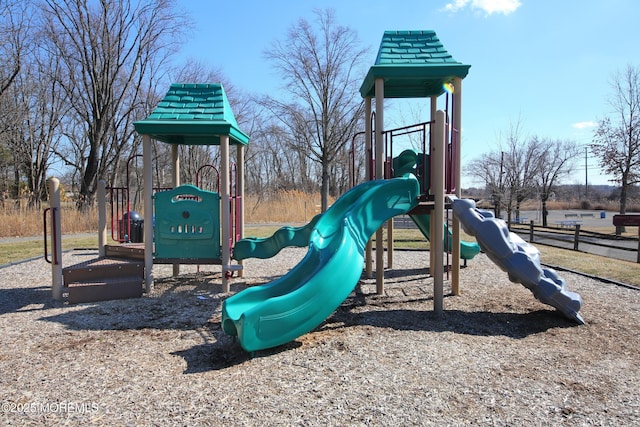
[[56, 239], [638, 252], [175, 181], [240, 205], [379, 88], [531, 231], [390, 243], [225, 207], [433, 110], [432, 257], [369, 174], [438, 148], [147, 179], [102, 218], [576, 237], [456, 161]]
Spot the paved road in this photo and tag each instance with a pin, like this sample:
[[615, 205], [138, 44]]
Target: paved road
[[588, 219]]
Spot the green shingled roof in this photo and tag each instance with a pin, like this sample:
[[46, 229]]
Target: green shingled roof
[[193, 114], [413, 64]]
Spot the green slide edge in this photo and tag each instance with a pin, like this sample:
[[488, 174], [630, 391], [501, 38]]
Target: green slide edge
[[278, 312], [468, 250]]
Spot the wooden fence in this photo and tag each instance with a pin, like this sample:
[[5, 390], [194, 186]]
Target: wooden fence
[[571, 236]]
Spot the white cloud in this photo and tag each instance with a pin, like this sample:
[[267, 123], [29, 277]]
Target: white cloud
[[488, 6], [584, 125]]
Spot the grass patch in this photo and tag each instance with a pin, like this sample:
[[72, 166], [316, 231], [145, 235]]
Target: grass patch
[[621, 271], [18, 251]]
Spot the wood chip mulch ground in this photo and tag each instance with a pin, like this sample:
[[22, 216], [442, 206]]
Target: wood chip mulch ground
[[495, 357]]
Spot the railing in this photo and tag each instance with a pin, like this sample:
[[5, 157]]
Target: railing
[[422, 131], [120, 205], [572, 236]]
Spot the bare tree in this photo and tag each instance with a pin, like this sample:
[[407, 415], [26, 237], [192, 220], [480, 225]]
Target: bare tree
[[555, 159], [616, 141], [521, 169], [510, 172], [112, 52], [195, 157], [39, 107], [318, 65], [489, 168], [14, 29], [6, 166]]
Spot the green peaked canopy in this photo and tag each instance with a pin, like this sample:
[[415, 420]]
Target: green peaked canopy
[[413, 64], [193, 114]]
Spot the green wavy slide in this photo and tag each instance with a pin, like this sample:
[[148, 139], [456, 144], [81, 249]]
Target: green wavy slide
[[263, 248], [468, 250], [407, 162], [278, 312]]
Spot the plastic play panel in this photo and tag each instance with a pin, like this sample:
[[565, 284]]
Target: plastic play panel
[[187, 223]]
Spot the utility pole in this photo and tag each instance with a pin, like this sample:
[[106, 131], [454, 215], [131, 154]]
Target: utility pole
[[586, 182], [498, 194]]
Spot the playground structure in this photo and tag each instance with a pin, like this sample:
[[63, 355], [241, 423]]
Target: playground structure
[[190, 225], [409, 64], [423, 184]]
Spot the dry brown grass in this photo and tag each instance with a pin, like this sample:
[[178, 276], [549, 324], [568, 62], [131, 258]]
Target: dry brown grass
[[22, 221], [286, 207]]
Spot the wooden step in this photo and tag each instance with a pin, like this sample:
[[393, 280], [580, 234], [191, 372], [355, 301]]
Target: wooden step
[[102, 279], [102, 268], [127, 251], [105, 290]]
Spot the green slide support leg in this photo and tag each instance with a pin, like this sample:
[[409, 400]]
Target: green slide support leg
[[278, 312]]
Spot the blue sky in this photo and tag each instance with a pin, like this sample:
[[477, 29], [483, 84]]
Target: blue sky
[[546, 64]]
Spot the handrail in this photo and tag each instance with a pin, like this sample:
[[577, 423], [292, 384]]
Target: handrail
[[54, 234], [352, 155], [210, 167], [117, 202], [234, 205]]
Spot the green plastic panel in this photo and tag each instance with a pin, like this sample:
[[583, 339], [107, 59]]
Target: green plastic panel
[[187, 223]]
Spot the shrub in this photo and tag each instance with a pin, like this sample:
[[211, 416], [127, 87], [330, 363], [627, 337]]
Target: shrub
[[585, 204]]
